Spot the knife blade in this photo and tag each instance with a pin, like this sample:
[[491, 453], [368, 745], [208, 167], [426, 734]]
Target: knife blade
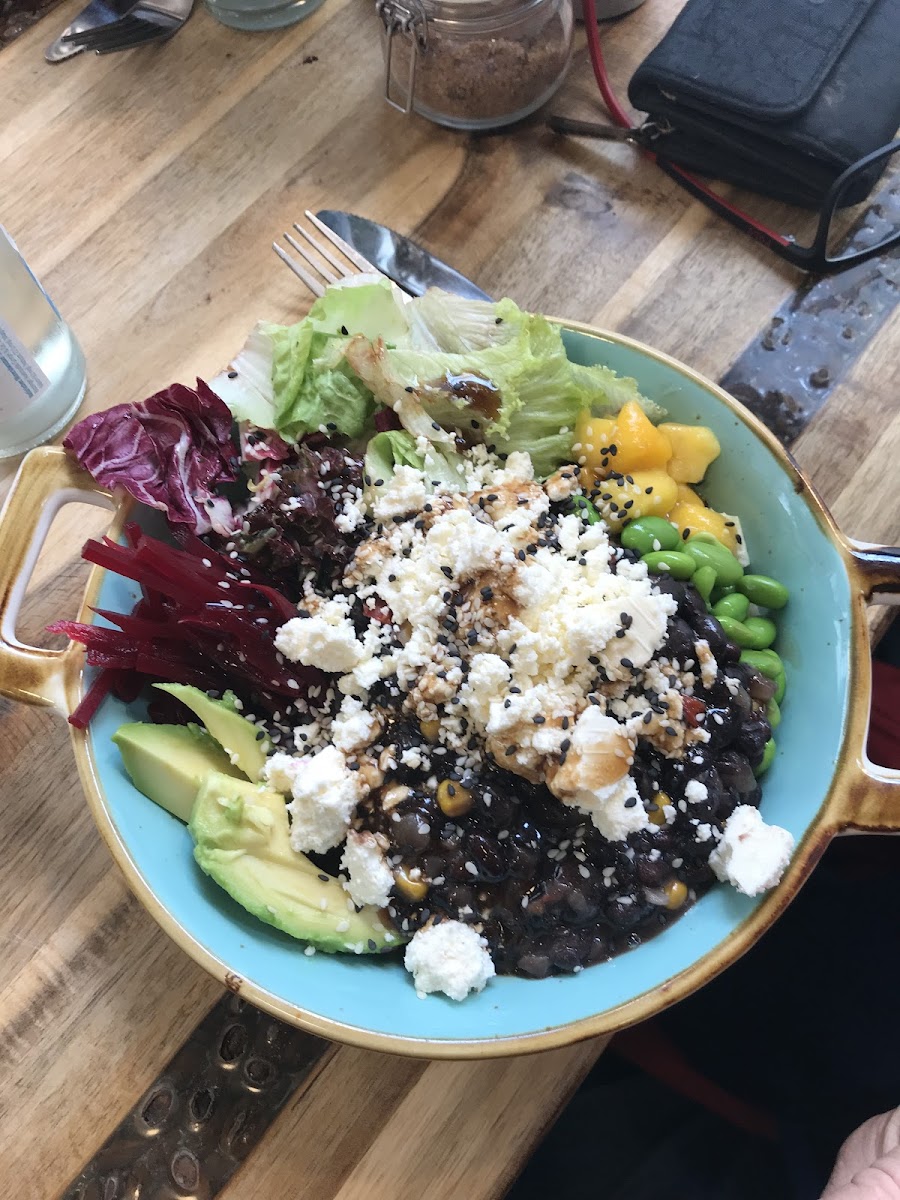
[[408, 264]]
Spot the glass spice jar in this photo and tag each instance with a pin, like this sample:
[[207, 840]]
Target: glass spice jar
[[474, 64]]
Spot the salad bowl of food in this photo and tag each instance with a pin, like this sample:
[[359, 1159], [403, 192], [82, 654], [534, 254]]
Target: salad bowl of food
[[458, 682]]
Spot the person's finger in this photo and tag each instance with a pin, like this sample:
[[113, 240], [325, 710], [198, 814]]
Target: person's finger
[[868, 1165]]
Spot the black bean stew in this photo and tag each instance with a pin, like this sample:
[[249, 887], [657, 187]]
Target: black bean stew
[[550, 893]]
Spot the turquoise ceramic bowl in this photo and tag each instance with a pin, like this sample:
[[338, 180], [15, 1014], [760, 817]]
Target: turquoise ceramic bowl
[[814, 787]]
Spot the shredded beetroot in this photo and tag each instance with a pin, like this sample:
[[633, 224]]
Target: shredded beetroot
[[200, 621]]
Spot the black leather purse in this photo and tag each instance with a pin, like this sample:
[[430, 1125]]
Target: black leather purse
[[780, 96]]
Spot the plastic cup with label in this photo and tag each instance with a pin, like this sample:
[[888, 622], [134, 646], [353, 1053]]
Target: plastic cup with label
[[42, 372]]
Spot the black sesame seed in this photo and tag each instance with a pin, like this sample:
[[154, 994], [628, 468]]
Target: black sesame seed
[[409, 389], [371, 941], [487, 593], [685, 534], [233, 375], [648, 490], [565, 722], [510, 750], [565, 745], [446, 571], [539, 720], [324, 878], [630, 802], [648, 717], [330, 426], [613, 449]]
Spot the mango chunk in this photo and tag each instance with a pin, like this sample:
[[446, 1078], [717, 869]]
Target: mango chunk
[[694, 447], [697, 519], [652, 493], [592, 435], [687, 495], [640, 446]]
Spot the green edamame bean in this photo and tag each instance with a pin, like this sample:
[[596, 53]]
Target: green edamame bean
[[647, 535], [670, 562], [704, 580], [768, 755], [766, 661], [764, 591], [763, 632], [737, 631], [720, 591], [588, 511], [713, 554], [773, 713], [735, 606]]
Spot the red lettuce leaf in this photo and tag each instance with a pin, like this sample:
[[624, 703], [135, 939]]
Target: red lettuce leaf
[[169, 452]]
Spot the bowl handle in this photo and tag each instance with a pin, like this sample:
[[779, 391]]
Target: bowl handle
[[46, 480], [873, 797]]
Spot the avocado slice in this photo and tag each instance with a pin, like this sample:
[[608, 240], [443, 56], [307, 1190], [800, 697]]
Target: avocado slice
[[169, 762], [241, 840], [235, 734]]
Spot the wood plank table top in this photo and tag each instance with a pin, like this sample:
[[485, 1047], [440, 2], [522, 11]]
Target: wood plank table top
[[144, 189]]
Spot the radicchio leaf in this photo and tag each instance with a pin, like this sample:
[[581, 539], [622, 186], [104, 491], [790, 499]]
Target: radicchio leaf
[[169, 452]]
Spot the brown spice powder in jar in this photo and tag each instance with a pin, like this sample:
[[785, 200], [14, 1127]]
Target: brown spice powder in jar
[[483, 79]]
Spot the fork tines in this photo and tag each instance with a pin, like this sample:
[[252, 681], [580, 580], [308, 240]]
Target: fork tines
[[319, 256]]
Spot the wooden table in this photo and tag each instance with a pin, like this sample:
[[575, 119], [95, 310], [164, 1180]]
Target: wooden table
[[145, 189]]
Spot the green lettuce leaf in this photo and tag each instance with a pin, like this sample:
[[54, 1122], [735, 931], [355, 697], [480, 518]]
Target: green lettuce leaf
[[441, 466]]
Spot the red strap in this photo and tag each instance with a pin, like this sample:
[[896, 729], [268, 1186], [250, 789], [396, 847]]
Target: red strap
[[648, 1048]]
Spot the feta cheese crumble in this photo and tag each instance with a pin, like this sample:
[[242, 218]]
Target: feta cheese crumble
[[451, 958], [369, 877], [751, 856], [325, 793], [325, 639]]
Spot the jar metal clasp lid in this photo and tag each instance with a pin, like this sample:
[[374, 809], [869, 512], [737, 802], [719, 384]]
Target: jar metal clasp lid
[[406, 17]]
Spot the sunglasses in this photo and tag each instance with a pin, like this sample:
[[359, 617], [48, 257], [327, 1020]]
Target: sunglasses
[[829, 250]]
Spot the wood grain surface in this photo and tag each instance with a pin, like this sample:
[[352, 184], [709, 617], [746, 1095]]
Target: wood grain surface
[[144, 189]]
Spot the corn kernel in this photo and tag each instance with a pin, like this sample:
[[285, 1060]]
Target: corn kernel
[[453, 799], [412, 889], [430, 729], [676, 893], [658, 817]]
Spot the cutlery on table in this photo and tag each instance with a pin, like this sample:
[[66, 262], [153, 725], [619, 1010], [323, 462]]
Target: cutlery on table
[[368, 246], [316, 268], [106, 27], [408, 264], [98, 13]]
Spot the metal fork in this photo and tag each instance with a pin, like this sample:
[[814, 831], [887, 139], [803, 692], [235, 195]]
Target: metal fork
[[320, 276]]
